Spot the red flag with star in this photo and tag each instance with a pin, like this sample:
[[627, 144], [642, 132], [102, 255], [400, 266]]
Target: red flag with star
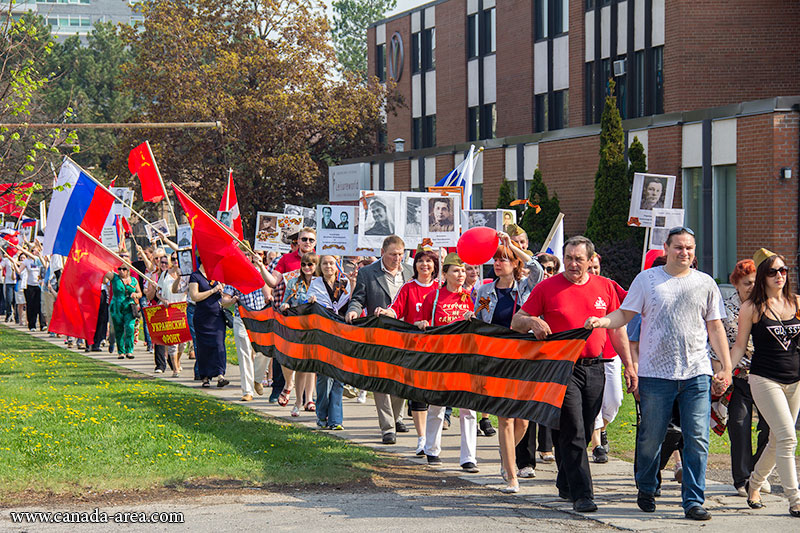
[[218, 249], [142, 163], [78, 302]]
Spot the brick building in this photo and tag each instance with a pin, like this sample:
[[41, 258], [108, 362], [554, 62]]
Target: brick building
[[707, 87]]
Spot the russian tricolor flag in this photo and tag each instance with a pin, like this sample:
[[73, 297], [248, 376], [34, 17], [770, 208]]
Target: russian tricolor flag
[[78, 200]]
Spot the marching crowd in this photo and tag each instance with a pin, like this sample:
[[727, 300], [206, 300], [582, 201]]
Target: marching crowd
[[692, 360]]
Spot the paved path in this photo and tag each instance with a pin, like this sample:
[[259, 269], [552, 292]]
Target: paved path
[[614, 489]]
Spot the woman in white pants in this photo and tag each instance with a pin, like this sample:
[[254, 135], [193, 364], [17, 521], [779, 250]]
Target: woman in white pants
[[771, 315]]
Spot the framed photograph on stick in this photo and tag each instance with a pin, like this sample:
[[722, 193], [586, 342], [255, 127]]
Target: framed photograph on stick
[[663, 221], [650, 191], [377, 217], [268, 234]]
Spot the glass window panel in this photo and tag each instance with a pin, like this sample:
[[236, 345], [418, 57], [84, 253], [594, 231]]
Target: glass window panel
[[724, 197], [472, 36], [693, 204]]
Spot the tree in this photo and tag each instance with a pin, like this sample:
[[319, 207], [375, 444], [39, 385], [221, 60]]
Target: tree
[[350, 21], [506, 196], [87, 79], [258, 67], [609, 214], [26, 154], [637, 162], [537, 225]]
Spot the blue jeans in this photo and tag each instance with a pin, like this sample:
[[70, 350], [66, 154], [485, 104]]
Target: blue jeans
[[190, 319], [329, 401], [142, 304], [694, 403], [9, 297]]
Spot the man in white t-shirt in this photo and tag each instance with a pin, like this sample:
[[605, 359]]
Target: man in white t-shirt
[[681, 311]]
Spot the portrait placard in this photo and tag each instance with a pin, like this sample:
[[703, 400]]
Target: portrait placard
[[650, 191], [663, 221], [185, 261], [184, 236], [268, 233], [378, 220], [154, 230], [490, 218]]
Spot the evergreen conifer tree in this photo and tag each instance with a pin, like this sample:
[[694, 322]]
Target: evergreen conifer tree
[[537, 225]]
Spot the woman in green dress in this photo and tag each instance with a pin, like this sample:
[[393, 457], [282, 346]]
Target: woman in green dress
[[125, 293]]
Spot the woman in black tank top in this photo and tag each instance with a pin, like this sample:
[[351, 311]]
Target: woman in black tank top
[[772, 315]]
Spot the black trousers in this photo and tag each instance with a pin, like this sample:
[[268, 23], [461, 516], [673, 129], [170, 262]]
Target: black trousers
[[527, 447], [33, 306], [582, 402], [102, 321], [740, 421]]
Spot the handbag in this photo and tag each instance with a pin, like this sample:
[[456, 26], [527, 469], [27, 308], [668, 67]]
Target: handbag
[[228, 316], [135, 309]]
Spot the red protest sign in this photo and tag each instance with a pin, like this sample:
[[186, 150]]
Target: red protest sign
[[167, 325]]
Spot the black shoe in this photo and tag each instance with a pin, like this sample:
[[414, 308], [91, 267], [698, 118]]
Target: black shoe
[[433, 460], [584, 505], [420, 453], [794, 512], [698, 513], [446, 423], [753, 504], [206, 384], [658, 492], [389, 438], [486, 426], [96, 349], [600, 455], [472, 468], [646, 502], [400, 427], [222, 382], [604, 440]]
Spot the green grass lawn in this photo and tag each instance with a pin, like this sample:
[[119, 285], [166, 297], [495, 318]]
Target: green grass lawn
[[69, 423]]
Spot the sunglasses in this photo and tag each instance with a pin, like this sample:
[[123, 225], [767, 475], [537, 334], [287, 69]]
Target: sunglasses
[[549, 269], [772, 272], [308, 239], [680, 229], [122, 268], [308, 264]]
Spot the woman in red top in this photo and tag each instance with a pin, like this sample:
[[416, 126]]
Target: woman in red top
[[407, 306], [444, 306]]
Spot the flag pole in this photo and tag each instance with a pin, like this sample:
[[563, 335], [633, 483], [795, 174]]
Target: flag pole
[[227, 230], [101, 245], [552, 233], [163, 188], [138, 214]]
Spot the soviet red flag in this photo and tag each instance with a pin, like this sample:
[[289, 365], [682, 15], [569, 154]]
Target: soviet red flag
[[218, 250], [142, 163], [78, 302]]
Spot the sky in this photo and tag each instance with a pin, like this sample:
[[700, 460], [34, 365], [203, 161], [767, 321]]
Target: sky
[[402, 5]]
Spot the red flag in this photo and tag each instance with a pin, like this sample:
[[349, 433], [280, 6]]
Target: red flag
[[142, 163], [126, 225], [219, 251], [230, 203], [10, 193], [78, 302]]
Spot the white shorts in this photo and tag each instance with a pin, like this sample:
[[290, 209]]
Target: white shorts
[[19, 296]]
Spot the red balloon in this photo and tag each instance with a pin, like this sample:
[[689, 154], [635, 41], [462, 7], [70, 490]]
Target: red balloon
[[477, 245], [651, 256]]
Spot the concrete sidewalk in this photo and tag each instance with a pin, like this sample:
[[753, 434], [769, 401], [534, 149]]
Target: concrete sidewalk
[[615, 492]]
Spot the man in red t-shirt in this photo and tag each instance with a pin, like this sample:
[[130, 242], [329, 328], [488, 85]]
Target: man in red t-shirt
[[558, 304]]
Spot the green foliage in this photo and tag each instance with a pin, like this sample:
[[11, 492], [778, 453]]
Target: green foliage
[[637, 162], [609, 214], [25, 154], [537, 225], [87, 79], [350, 21], [506, 196]]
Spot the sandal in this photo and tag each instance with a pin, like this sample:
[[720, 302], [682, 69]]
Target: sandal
[[283, 399], [311, 406], [295, 411]]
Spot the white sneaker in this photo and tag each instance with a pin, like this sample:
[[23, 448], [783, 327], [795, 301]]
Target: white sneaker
[[362, 397], [741, 492], [766, 488], [159, 371], [526, 472]]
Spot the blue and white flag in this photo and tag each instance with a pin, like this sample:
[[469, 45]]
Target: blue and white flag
[[556, 245], [461, 176]]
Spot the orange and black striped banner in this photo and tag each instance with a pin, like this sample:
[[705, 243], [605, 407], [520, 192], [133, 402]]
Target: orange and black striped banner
[[468, 364]]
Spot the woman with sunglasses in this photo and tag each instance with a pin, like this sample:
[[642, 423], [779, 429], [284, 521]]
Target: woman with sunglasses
[[125, 294], [770, 314], [496, 303], [406, 306], [330, 289], [296, 294]]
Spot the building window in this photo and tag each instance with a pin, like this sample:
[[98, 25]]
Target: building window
[[482, 121], [540, 20], [474, 123], [622, 92], [416, 51], [540, 112], [489, 40], [477, 196], [590, 92], [724, 217], [423, 132], [428, 54], [472, 36], [589, 5], [560, 114], [560, 17], [658, 63], [639, 85], [693, 205], [380, 62]]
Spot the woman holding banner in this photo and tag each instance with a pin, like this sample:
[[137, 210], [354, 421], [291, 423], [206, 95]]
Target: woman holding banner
[[406, 306], [296, 294], [124, 302], [167, 295], [330, 289], [209, 327], [496, 303], [446, 305]]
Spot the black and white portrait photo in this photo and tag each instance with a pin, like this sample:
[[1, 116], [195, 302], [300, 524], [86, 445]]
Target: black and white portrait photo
[[440, 215], [327, 222], [185, 262], [344, 221], [481, 218], [225, 218], [653, 193], [184, 236], [413, 216], [649, 191], [380, 217]]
